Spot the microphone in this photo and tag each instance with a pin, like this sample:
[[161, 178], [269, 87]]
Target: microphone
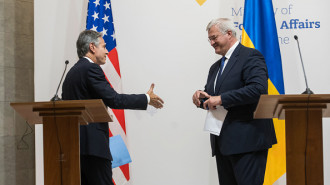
[[307, 91], [56, 98]]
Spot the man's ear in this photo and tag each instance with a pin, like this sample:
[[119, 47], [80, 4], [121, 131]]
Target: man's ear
[[92, 47], [230, 33]]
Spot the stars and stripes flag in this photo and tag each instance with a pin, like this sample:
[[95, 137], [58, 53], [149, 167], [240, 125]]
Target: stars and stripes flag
[[259, 32], [99, 18]]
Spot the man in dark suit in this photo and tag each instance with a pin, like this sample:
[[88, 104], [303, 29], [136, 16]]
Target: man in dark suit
[[86, 80], [236, 82]]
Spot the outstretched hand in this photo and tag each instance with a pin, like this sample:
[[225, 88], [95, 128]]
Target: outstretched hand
[[155, 100]]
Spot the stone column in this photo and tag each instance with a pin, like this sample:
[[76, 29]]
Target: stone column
[[17, 162]]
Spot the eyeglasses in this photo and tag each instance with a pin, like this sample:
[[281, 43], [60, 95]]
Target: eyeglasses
[[213, 38]]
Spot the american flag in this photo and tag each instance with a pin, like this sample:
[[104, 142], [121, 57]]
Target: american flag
[[99, 18]]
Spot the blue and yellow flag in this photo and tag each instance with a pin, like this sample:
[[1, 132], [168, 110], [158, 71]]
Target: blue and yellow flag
[[259, 32]]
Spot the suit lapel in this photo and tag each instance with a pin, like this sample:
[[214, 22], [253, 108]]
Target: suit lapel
[[232, 60]]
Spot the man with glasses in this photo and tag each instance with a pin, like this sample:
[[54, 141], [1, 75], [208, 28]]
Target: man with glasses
[[236, 82]]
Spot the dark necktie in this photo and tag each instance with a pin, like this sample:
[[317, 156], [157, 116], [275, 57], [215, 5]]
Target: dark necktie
[[222, 63]]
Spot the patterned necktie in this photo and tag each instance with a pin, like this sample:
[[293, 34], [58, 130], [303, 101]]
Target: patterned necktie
[[222, 63]]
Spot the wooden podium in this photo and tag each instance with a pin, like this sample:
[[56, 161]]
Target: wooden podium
[[303, 131], [61, 121]]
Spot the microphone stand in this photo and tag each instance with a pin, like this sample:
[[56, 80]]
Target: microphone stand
[[307, 91], [56, 98]]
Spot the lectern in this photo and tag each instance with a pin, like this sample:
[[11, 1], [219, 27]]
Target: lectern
[[61, 120], [303, 131]]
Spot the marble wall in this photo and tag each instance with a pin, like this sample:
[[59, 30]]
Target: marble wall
[[17, 163]]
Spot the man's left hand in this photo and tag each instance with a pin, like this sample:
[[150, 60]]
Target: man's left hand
[[212, 102]]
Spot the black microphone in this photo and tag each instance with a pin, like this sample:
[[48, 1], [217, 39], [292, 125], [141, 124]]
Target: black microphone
[[56, 98], [307, 91]]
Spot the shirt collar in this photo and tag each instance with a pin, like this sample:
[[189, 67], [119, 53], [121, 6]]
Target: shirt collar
[[90, 60], [231, 50]]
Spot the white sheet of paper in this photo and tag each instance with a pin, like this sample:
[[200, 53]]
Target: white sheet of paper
[[214, 120]]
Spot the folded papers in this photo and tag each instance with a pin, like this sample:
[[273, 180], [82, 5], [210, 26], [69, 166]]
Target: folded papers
[[118, 151], [214, 120]]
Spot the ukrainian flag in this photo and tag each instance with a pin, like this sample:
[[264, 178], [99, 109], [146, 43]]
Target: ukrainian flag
[[259, 32]]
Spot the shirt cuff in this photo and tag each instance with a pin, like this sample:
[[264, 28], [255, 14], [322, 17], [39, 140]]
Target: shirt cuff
[[148, 98]]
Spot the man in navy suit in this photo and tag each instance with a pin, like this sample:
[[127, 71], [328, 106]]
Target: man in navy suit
[[86, 80], [241, 148]]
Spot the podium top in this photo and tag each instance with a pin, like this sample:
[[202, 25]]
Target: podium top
[[87, 110], [271, 106]]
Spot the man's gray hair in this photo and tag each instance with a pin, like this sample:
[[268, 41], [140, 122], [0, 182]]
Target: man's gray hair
[[85, 38], [223, 24]]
